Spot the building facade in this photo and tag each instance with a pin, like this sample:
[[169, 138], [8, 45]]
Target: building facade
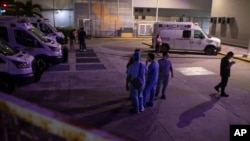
[[230, 21], [102, 18], [112, 17]]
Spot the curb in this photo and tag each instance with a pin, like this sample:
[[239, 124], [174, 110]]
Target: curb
[[235, 57], [221, 53]]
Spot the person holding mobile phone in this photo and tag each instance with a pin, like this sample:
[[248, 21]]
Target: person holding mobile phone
[[225, 67]]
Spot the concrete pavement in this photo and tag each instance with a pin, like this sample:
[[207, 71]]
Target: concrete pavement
[[94, 92]]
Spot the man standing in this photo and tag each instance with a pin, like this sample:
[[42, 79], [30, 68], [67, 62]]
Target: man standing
[[225, 67], [81, 38], [165, 67], [151, 80], [137, 69], [72, 39], [158, 44]]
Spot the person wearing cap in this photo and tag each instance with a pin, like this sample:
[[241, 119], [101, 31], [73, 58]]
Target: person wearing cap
[[136, 94], [131, 61], [225, 67]]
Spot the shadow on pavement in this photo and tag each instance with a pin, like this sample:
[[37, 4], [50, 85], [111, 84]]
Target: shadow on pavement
[[198, 111]]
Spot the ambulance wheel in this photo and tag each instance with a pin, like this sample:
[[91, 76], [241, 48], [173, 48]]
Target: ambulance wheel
[[65, 53], [42, 63], [37, 73], [7, 84], [210, 50]]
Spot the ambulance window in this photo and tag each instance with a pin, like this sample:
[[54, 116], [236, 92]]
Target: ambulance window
[[186, 34], [6, 49], [24, 38], [197, 34], [45, 29], [4, 34]]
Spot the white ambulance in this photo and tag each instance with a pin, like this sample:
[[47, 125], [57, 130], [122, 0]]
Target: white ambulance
[[16, 68], [22, 35], [185, 36], [43, 25]]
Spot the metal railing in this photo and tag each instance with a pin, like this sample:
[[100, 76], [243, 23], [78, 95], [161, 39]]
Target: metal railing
[[24, 121]]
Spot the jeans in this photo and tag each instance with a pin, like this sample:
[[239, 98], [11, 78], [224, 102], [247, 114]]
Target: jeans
[[82, 45], [164, 81], [223, 84]]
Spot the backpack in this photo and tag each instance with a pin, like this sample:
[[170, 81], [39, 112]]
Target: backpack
[[137, 82]]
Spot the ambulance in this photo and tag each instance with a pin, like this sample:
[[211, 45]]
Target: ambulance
[[43, 25], [185, 36], [19, 33], [16, 68]]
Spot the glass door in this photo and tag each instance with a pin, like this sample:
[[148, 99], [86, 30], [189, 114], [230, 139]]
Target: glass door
[[144, 29], [85, 23]]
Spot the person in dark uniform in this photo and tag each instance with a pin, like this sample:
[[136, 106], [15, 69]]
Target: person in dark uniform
[[225, 67], [81, 38], [72, 39]]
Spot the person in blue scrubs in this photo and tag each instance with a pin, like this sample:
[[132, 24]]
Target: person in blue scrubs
[[130, 62], [165, 68], [136, 94], [151, 80]]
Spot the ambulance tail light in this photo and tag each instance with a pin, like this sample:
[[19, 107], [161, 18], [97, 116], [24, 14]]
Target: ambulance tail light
[[4, 5]]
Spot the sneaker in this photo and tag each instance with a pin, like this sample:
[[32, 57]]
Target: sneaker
[[142, 110], [132, 111], [217, 89], [224, 95]]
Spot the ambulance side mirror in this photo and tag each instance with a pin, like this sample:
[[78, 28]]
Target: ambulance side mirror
[[201, 36]]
